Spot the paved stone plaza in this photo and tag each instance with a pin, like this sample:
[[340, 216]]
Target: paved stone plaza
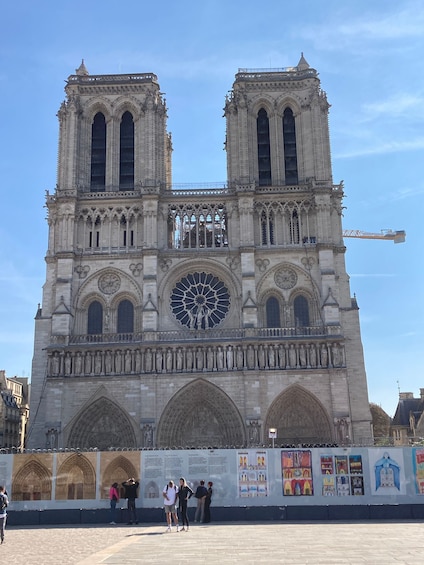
[[300, 543]]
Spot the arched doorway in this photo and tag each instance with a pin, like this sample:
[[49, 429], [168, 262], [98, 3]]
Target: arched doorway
[[200, 415], [299, 417]]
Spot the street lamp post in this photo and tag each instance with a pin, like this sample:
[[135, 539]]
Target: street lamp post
[[272, 434]]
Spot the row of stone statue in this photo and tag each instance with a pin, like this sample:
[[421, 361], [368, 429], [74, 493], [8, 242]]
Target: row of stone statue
[[201, 358]]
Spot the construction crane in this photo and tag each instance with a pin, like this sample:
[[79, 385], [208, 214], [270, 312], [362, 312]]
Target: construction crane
[[395, 236]]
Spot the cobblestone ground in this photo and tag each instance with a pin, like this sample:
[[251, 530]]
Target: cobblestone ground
[[61, 545], [329, 543]]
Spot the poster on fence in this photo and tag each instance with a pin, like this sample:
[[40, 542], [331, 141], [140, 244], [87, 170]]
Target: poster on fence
[[296, 467], [252, 473]]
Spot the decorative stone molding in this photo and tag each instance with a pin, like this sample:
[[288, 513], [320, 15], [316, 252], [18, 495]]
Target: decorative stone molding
[[130, 360]]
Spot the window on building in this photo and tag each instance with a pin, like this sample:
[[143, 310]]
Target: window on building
[[267, 228], [197, 226], [290, 153], [273, 313], [125, 317], [264, 148], [126, 155], [98, 153], [95, 318], [301, 311], [294, 227]]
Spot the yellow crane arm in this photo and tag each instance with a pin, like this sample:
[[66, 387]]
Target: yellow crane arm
[[395, 236]]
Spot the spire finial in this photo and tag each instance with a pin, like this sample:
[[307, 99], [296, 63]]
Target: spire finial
[[82, 70], [303, 63]]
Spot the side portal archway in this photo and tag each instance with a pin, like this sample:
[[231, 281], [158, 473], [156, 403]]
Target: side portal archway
[[102, 424], [299, 417]]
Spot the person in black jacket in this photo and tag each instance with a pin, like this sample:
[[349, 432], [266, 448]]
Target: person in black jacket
[[208, 501], [184, 494], [4, 503], [131, 493], [201, 493]]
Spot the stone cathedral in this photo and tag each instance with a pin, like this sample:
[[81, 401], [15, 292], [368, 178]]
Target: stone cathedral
[[200, 316]]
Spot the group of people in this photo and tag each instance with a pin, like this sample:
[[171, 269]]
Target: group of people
[[174, 496], [131, 493]]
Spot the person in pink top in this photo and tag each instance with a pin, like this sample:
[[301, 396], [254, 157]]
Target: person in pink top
[[114, 499]]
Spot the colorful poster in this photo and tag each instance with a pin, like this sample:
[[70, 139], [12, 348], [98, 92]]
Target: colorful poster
[[357, 485], [342, 475], [418, 466], [388, 471], [297, 473], [252, 473]]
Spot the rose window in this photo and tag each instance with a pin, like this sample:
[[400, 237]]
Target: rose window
[[200, 301]]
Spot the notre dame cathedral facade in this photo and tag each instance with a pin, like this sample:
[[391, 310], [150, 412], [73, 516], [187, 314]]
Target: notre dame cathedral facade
[[202, 316]]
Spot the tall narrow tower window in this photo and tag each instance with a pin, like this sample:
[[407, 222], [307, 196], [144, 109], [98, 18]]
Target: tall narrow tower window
[[290, 153], [267, 228], [294, 227], [98, 153], [95, 318], [301, 311], [125, 317], [126, 155], [264, 150], [273, 313]]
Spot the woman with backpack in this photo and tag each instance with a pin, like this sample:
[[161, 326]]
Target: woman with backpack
[[170, 493]]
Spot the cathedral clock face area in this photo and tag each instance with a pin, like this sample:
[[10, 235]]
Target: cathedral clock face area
[[109, 283], [200, 301], [285, 278]]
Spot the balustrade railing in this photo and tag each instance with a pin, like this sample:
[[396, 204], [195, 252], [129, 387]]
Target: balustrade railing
[[199, 335]]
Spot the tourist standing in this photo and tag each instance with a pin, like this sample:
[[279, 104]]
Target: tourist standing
[[170, 494], [184, 495], [4, 503], [201, 493], [114, 499], [208, 500], [131, 493]]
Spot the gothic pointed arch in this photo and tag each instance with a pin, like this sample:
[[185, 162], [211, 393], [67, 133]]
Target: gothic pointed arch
[[98, 153], [32, 482], [299, 417], [264, 147], [118, 470], [102, 424], [76, 478], [290, 150], [126, 152], [199, 415]]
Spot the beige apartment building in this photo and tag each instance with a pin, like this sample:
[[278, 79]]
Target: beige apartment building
[[14, 411], [199, 315]]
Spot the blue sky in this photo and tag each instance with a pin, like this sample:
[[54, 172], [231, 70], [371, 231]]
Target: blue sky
[[370, 58]]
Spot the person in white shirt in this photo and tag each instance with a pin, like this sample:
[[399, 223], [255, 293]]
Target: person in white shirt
[[170, 493]]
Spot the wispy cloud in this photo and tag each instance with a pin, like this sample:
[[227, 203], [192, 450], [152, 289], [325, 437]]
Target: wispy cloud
[[381, 148], [404, 194], [372, 275], [408, 22], [401, 105], [373, 26]]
